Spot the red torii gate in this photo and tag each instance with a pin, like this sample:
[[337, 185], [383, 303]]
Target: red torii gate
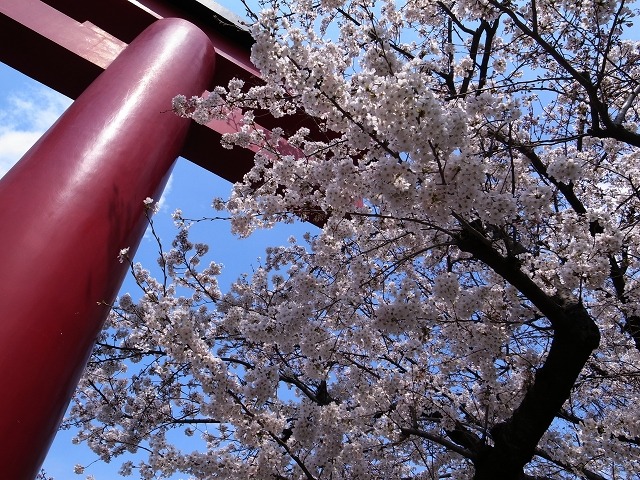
[[76, 198]]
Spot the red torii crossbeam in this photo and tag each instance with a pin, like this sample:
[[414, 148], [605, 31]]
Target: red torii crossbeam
[[76, 198]]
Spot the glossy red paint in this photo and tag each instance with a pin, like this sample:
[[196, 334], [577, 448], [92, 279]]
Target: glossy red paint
[[68, 207]]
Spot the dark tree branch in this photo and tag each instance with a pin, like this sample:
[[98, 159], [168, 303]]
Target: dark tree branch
[[439, 440], [589, 475], [599, 111], [632, 322]]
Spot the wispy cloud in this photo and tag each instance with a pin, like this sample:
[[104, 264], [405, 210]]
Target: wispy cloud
[[24, 117], [162, 203]]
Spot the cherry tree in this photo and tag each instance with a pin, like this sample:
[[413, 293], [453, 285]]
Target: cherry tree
[[469, 308]]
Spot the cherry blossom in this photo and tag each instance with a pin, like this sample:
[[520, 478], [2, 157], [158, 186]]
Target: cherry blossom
[[469, 307]]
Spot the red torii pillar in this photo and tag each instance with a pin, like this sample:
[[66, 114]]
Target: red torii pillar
[[68, 207]]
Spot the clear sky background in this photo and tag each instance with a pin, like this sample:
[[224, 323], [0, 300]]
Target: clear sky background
[[27, 109]]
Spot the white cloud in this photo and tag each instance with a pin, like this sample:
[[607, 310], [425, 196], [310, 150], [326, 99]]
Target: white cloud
[[13, 144], [24, 117], [162, 203]]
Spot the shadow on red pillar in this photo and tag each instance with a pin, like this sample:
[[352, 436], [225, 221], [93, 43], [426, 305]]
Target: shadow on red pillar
[[68, 207]]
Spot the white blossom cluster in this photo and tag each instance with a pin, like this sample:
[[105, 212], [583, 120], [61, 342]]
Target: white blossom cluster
[[469, 308]]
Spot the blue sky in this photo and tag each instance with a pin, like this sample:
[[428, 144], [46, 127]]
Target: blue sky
[[27, 109]]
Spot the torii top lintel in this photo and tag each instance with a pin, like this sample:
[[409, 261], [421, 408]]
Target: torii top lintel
[[66, 44]]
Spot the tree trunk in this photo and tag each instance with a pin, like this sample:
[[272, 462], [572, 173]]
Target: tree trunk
[[515, 440], [575, 336]]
